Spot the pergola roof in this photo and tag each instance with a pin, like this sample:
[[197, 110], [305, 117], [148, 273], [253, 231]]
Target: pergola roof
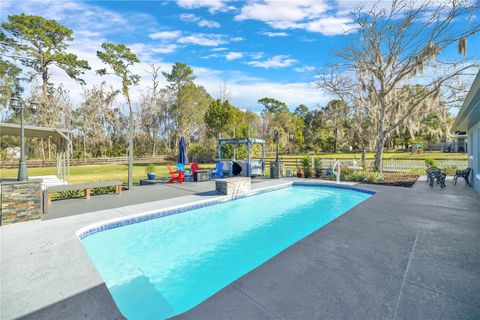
[[240, 141], [10, 129]]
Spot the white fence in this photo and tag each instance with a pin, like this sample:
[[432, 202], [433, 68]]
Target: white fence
[[387, 165]]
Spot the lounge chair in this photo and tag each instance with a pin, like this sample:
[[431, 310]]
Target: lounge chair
[[465, 174], [217, 173], [177, 176]]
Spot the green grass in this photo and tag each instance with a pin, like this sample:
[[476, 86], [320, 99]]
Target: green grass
[[95, 173]]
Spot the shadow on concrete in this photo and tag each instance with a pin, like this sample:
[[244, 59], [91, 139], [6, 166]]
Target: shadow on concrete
[[95, 303]]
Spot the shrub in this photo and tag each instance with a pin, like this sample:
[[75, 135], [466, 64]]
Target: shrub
[[364, 176], [450, 170], [79, 193], [430, 162], [307, 167], [150, 168], [317, 164]]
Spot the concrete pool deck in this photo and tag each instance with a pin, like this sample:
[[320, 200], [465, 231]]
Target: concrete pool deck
[[405, 253]]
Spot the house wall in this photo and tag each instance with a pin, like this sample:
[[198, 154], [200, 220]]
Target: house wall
[[474, 154]]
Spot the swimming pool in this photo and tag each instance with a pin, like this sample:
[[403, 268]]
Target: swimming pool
[[162, 267]]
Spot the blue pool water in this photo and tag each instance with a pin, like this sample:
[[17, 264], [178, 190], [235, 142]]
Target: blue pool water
[[163, 267]]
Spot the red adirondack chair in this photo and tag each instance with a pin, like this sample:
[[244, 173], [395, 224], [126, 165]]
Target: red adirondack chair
[[177, 176], [194, 167]]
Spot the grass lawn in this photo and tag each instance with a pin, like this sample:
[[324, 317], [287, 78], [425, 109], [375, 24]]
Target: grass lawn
[[99, 172], [386, 156]]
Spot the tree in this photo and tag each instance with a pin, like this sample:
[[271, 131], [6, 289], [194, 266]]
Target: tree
[[336, 113], [193, 102], [152, 111], [302, 111], [181, 75], [120, 59], [219, 118], [9, 82], [395, 46], [38, 44], [92, 118], [271, 105]]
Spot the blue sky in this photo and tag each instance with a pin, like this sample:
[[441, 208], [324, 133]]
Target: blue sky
[[255, 48]]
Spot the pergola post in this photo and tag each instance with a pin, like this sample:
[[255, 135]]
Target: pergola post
[[219, 148], [248, 153]]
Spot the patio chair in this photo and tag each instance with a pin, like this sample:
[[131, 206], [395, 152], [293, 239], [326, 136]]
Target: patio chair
[[217, 173], [187, 173], [433, 174], [177, 176], [194, 167], [465, 174]]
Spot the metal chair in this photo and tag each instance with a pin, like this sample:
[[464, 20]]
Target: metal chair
[[465, 174]]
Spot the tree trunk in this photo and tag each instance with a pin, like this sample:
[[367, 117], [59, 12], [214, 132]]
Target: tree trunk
[[130, 150], [364, 153], [379, 152], [335, 140], [45, 82]]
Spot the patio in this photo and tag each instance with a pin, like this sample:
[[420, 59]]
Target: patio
[[402, 254]]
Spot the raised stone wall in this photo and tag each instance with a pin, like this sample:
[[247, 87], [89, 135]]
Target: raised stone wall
[[233, 186], [20, 201]]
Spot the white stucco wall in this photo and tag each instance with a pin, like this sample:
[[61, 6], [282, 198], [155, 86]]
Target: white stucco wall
[[474, 154]]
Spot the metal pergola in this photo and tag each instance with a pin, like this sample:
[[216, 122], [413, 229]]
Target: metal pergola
[[243, 141], [61, 137]]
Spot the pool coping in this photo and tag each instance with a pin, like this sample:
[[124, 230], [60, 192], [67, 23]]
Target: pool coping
[[108, 224]]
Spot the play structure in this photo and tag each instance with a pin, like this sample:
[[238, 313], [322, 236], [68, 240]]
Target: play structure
[[249, 167]]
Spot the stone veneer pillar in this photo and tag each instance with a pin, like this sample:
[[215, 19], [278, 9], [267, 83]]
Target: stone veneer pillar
[[20, 201]]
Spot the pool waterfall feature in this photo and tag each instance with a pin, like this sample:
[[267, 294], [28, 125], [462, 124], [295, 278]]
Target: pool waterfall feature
[[161, 264]]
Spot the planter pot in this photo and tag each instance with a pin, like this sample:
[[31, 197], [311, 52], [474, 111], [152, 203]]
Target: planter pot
[[151, 176]]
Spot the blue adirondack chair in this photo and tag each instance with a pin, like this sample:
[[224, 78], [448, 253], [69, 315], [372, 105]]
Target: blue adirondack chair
[[217, 173], [187, 172]]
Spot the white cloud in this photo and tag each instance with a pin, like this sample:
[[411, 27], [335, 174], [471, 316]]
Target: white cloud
[[212, 5], [233, 55], [305, 69], [330, 26], [237, 39], [310, 15], [275, 34], [188, 17], [219, 49], [203, 39], [257, 55], [246, 90], [168, 48], [276, 62], [165, 35]]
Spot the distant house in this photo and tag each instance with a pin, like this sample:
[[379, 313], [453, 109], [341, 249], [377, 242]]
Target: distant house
[[456, 143], [468, 120]]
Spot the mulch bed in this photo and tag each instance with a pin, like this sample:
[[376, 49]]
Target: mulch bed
[[397, 179]]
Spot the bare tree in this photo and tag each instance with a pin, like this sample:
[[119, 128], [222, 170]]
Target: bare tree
[[224, 92], [152, 108], [93, 117], [398, 49]]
